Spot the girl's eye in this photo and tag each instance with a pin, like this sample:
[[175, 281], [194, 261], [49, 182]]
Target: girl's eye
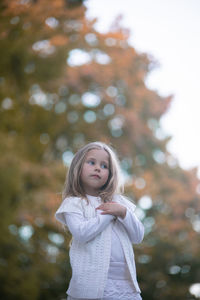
[[104, 166], [90, 162]]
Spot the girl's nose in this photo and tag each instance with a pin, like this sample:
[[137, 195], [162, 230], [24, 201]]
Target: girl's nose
[[97, 167]]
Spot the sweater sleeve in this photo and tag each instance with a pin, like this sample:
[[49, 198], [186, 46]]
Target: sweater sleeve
[[70, 205], [132, 224], [85, 230], [70, 213]]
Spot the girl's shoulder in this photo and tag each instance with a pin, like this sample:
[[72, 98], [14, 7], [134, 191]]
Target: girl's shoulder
[[73, 199], [72, 204], [124, 201]]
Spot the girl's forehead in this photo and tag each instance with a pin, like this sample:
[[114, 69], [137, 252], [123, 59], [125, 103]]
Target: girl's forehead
[[98, 153]]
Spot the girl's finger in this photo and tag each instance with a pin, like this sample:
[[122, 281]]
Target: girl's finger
[[107, 212], [99, 207], [102, 206]]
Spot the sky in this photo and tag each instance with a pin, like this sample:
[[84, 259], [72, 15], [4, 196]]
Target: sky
[[169, 31]]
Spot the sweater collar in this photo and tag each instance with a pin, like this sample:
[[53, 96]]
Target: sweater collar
[[93, 199]]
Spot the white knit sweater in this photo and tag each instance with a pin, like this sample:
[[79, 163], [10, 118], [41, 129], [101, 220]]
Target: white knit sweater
[[90, 254]]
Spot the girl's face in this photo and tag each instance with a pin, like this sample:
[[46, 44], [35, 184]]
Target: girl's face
[[95, 171]]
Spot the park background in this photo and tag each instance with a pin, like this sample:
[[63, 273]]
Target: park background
[[63, 84]]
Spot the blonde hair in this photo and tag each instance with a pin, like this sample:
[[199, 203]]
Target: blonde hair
[[73, 186]]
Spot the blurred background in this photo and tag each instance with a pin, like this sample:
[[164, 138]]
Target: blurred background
[[168, 31], [64, 83]]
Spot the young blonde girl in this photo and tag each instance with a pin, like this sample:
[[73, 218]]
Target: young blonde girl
[[103, 227]]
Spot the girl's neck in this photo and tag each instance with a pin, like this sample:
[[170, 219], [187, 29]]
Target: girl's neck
[[94, 196], [92, 193]]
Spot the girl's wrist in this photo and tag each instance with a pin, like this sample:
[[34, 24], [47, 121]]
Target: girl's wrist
[[123, 213]]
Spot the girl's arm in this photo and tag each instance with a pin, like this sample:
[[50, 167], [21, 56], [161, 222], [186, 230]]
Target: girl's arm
[[125, 214], [85, 230], [133, 226]]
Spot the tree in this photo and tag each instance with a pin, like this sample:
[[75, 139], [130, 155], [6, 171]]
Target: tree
[[62, 85]]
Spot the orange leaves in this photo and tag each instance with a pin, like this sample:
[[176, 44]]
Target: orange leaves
[[59, 40], [14, 7]]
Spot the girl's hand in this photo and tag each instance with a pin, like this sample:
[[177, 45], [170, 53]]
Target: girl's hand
[[113, 208]]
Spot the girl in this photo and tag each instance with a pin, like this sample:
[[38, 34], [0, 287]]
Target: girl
[[103, 226]]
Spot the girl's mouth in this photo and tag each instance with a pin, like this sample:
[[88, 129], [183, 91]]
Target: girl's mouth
[[96, 176]]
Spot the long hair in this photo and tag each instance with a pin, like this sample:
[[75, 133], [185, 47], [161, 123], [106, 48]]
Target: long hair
[[73, 186]]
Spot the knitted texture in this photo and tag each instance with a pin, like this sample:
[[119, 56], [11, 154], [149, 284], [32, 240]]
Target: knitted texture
[[90, 261]]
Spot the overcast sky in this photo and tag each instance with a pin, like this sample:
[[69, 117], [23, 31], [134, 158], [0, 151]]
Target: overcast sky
[[169, 30]]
